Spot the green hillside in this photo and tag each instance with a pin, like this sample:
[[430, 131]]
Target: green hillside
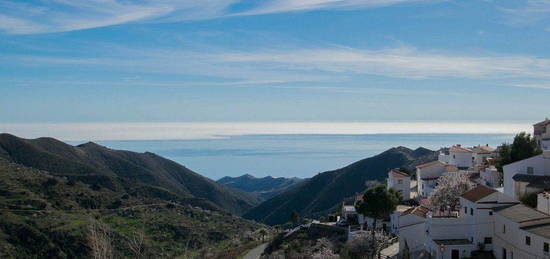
[[322, 192]]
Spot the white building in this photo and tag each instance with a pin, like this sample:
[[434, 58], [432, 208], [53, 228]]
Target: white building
[[541, 132], [427, 175], [522, 175], [410, 227], [461, 157], [457, 234], [490, 176], [521, 232], [400, 182], [481, 155]]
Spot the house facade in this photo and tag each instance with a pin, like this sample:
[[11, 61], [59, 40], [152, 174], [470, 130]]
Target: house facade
[[528, 173], [541, 132], [400, 182]]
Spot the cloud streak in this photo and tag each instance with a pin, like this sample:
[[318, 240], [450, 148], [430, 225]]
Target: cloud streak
[[46, 16]]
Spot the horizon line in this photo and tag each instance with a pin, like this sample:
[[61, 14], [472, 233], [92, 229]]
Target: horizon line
[[127, 131]]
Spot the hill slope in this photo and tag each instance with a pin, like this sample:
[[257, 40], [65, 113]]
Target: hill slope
[[264, 188], [44, 216], [318, 194], [119, 170]]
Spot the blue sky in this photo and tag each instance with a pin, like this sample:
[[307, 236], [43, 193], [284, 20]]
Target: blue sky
[[276, 60]]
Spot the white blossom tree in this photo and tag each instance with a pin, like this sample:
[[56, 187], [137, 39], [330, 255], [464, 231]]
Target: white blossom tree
[[449, 189]]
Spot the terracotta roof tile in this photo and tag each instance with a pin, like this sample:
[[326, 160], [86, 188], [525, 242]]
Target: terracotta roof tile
[[430, 164], [478, 193], [420, 211], [397, 173], [459, 149]]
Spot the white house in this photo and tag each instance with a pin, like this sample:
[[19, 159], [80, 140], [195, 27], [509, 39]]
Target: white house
[[490, 176], [521, 232], [411, 225], [541, 132], [400, 182], [461, 157], [427, 175], [457, 234], [481, 155], [520, 174]]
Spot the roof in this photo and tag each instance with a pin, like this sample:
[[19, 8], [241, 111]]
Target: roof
[[430, 164], [451, 168], [520, 213], [458, 148], [420, 211], [477, 193], [397, 173], [452, 242], [542, 123], [539, 230], [402, 208], [483, 149], [535, 181]]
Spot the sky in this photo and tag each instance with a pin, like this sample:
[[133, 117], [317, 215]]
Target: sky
[[340, 61]]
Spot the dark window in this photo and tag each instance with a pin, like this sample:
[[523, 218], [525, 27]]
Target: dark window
[[488, 240], [490, 213], [471, 211], [545, 248], [503, 228], [528, 240], [465, 210]]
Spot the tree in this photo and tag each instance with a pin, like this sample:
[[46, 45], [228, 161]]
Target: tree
[[449, 189], [524, 146], [100, 241], [529, 199], [378, 203]]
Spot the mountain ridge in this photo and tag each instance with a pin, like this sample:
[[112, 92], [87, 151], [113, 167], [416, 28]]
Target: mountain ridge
[[316, 195]]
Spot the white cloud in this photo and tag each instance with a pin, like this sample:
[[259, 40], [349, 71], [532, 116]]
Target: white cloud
[[530, 11], [329, 64], [534, 86], [209, 130], [43, 16]]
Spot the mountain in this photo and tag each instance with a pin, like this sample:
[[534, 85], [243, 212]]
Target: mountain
[[119, 170], [317, 195], [48, 216], [264, 188]]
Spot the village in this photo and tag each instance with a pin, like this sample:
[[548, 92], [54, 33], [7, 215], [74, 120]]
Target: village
[[493, 218]]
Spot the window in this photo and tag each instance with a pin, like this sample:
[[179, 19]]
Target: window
[[488, 240], [528, 240], [503, 229], [454, 157], [490, 213], [465, 210], [400, 181], [546, 248], [471, 211], [530, 170]]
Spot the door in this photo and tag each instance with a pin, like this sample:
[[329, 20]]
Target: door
[[455, 254], [504, 253]]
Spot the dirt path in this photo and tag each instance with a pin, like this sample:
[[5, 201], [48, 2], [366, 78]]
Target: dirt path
[[256, 252]]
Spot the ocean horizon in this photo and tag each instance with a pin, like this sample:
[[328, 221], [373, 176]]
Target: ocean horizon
[[289, 155]]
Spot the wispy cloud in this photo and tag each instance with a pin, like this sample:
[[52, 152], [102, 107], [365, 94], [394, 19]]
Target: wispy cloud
[[534, 86], [527, 12], [43, 16], [329, 64]]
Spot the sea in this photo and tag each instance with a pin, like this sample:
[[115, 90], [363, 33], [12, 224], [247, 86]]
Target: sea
[[290, 155]]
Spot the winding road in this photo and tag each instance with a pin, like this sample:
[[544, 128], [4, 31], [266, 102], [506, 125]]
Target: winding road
[[256, 252]]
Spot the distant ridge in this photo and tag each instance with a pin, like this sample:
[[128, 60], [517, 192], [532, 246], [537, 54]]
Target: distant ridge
[[317, 195], [117, 170], [264, 188]]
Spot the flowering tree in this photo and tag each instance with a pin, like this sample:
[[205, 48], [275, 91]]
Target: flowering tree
[[448, 190]]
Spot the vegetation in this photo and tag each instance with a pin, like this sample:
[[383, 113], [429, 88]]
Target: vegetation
[[60, 201], [449, 189], [264, 188], [321, 193], [378, 203], [524, 146], [529, 199]]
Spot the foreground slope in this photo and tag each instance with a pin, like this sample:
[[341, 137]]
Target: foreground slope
[[45, 216], [118, 170], [264, 188], [322, 192]]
